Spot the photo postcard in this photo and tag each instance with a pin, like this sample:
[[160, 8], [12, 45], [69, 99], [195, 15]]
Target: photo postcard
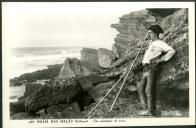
[[96, 64]]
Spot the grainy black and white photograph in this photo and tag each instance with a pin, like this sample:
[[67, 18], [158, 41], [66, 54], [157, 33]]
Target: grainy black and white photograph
[[97, 60]]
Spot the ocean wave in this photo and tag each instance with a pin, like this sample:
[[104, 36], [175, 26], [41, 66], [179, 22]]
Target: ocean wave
[[41, 51]]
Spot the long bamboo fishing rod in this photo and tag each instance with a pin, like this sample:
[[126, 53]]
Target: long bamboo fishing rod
[[127, 74]]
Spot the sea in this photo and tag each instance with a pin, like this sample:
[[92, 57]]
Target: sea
[[29, 59]]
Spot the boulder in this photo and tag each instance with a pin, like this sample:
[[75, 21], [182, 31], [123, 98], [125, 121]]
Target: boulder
[[105, 57], [90, 55], [73, 68]]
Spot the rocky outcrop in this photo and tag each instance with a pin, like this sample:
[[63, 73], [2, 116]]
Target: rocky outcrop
[[50, 73], [132, 28], [53, 94], [105, 57], [90, 55], [72, 68]]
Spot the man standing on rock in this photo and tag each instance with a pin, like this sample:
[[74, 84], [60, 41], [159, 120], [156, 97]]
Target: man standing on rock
[[153, 56]]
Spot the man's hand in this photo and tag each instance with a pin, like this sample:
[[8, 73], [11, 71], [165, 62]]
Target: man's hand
[[156, 61]]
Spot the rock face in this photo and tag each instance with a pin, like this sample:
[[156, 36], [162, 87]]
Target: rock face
[[105, 57], [176, 35], [73, 68]]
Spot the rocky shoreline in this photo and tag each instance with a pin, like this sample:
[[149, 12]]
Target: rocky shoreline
[[71, 89]]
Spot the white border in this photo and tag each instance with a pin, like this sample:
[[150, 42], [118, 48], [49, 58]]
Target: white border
[[7, 123]]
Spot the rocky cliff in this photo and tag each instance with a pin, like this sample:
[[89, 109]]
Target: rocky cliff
[[176, 35], [174, 74]]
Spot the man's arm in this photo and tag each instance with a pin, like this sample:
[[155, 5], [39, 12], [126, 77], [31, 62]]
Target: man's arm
[[168, 55], [168, 50]]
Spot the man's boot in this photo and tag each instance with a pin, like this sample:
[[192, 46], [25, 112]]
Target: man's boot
[[151, 106]]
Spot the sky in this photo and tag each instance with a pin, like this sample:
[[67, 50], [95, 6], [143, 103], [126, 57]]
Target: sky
[[67, 24]]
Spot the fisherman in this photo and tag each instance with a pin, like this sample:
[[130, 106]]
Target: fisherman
[[152, 57]]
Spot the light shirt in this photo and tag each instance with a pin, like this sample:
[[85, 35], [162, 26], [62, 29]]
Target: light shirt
[[155, 49]]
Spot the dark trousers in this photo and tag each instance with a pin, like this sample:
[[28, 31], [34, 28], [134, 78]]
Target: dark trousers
[[147, 88]]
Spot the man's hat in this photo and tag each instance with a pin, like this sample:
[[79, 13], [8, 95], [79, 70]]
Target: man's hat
[[156, 29]]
